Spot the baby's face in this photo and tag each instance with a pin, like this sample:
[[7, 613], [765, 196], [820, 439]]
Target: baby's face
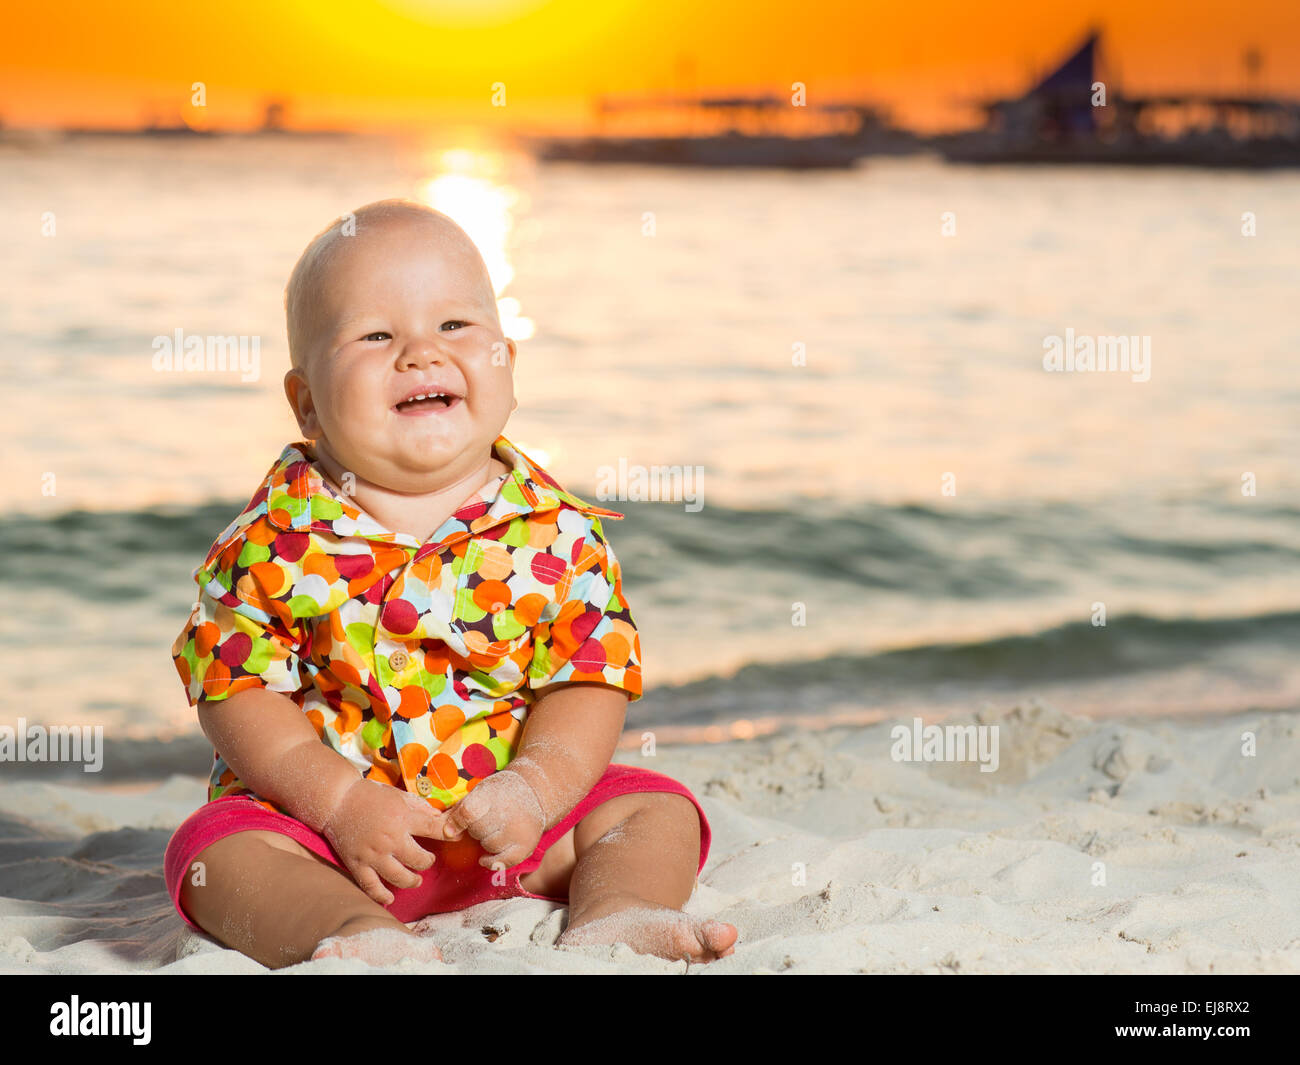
[[405, 308]]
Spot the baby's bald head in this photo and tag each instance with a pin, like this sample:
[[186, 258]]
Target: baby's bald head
[[306, 304]]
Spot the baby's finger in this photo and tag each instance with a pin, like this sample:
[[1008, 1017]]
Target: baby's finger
[[413, 856], [507, 858], [477, 804], [496, 863], [397, 874], [454, 822], [495, 841], [427, 822], [369, 882], [436, 820], [485, 828]]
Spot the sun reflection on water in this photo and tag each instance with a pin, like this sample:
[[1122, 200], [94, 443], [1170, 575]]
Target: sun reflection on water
[[469, 186]]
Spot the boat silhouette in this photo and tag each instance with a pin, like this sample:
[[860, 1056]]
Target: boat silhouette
[[863, 130], [1073, 115]]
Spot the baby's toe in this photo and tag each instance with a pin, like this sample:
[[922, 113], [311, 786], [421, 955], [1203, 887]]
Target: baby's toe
[[702, 940], [327, 948], [718, 937]]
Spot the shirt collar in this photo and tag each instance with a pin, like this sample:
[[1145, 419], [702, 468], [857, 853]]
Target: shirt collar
[[296, 498]]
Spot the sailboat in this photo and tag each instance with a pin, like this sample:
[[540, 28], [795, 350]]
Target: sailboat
[[1073, 115]]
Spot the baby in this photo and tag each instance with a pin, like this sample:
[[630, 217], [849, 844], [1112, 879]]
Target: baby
[[412, 652]]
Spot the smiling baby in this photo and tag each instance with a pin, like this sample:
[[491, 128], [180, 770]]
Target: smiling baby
[[412, 652]]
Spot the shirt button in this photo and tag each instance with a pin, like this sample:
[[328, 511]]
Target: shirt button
[[423, 786], [398, 661]]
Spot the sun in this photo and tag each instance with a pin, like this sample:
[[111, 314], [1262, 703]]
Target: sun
[[463, 12]]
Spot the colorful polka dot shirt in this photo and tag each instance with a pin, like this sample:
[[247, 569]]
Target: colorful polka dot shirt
[[415, 661]]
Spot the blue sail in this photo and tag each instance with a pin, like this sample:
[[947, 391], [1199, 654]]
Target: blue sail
[[1067, 91], [1075, 73]]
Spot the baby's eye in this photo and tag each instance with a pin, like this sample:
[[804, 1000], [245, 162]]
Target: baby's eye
[[381, 335], [455, 322]]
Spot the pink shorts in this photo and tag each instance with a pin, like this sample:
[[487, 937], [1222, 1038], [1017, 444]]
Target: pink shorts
[[454, 882]]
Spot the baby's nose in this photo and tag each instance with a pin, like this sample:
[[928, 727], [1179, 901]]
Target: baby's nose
[[422, 350]]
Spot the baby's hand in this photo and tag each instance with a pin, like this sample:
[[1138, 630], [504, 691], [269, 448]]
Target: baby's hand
[[503, 813], [372, 828]]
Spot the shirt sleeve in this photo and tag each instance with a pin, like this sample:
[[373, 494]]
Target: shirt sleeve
[[592, 637], [240, 634]]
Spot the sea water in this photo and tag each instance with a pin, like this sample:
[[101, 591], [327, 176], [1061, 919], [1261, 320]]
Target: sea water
[[896, 507]]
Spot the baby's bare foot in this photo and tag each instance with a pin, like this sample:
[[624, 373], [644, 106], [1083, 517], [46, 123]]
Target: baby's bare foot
[[651, 929], [376, 945]]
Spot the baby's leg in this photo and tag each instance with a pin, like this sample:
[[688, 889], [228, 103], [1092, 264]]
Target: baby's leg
[[269, 897], [637, 857]]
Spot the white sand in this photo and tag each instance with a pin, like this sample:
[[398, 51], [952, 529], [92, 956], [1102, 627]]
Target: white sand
[[908, 867]]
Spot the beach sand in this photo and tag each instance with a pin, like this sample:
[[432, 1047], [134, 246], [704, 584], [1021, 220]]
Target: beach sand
[[1099, 846]]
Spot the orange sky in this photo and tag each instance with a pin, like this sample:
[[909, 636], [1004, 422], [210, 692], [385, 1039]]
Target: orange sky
[[367, 62]]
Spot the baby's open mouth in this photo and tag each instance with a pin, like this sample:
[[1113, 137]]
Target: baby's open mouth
[[427, 403]]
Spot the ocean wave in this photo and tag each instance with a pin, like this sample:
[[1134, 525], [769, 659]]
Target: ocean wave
[[1124, 650], [925, 552]]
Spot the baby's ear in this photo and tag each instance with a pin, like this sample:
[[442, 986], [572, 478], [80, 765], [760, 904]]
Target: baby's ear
[[298, 393]]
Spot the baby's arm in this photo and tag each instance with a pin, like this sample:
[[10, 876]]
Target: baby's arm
[[569, 737], [269, 743]]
